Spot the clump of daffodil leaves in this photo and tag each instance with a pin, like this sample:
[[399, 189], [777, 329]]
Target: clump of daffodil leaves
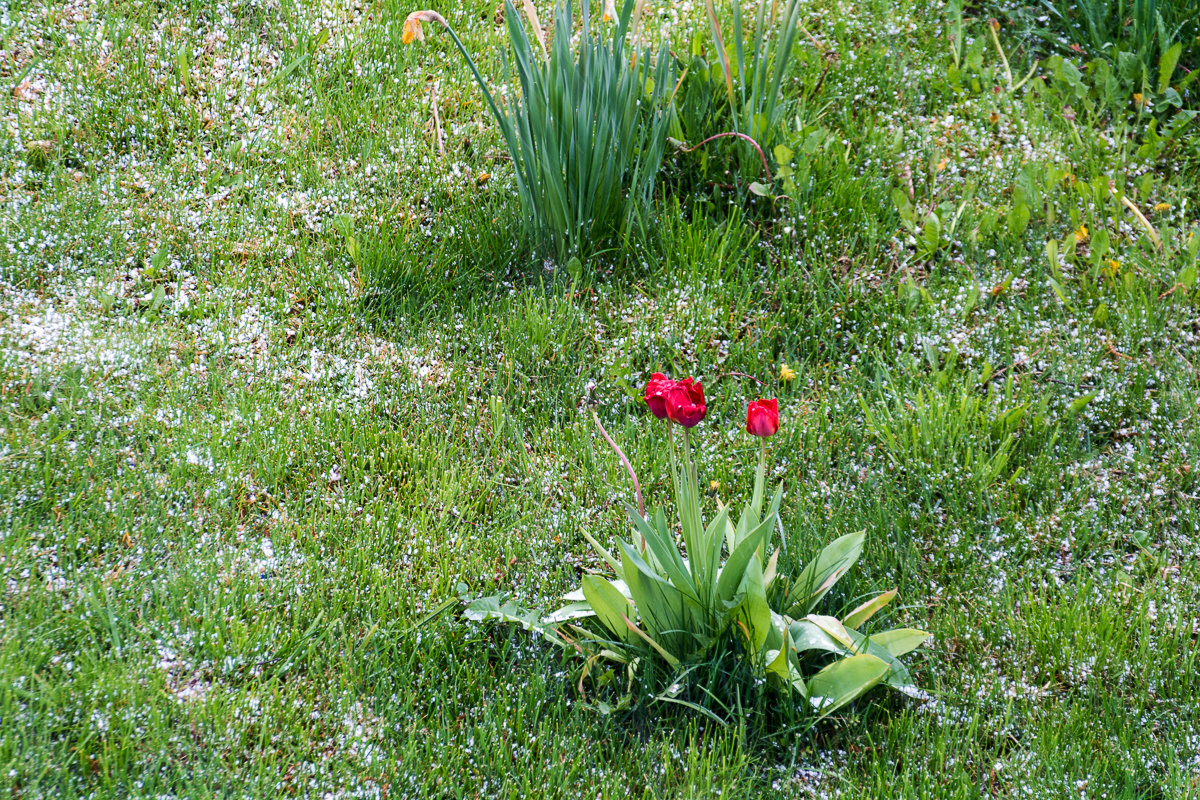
[[587, 130]]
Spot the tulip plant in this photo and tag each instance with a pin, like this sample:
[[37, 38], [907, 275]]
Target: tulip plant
[[722, 591]]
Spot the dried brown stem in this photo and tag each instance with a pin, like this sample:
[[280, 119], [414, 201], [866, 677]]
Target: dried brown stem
[[637, 487]]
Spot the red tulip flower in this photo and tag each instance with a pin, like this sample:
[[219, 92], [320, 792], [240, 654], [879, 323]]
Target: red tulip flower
[[762, 417], [656, 394], [685, 403]]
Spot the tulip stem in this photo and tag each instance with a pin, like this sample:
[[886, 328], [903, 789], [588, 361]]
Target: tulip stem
[[637, 487], [689, 512], [760, 478]]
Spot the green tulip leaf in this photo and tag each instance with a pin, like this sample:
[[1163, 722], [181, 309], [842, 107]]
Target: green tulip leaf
[[858, 616], [734, 570], [807, 635], [844, 681], [670, 659], [823, 572], [899, 641], [610, 605], [664, 553]]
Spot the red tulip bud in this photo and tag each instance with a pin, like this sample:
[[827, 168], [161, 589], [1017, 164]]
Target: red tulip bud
[[762, 417], [656, 394], [685, 403]]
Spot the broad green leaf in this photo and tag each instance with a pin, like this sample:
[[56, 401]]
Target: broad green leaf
[[931, 234], [491, 608], [603, 553], [707, 558], [823, 572], [1187, 276], [833, 627], [868, 609], [734, 570], [772, 569], [1080, 403], [663, 608], [610, 605], [755, 611], [1018, 219], [898, 677], [899, 641], [746, 523], [733, 534], [577, 595], [577, 610], [807, 635], [1166, 66], [777, 665], [905, 207], [845, 680], [1058, 290]]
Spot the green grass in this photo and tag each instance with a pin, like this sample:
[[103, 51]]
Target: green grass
[[252, 323]]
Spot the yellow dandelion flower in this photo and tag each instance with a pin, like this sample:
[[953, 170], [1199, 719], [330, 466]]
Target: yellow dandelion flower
[[1161, 207], [1137, 98], [1081, 233], [714, 485], [786, 373]]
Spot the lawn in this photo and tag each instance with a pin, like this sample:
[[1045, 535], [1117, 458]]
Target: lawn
[[281, 373]]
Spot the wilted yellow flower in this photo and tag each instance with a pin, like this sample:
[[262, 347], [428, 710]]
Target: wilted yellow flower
[[610, 10], [714, 485], [1161, 207], [1137, 98], [786, 373], [1081, 233], [412, 25], [412, 30]]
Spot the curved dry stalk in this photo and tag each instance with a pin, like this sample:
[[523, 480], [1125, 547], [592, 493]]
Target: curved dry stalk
[[1154, 237], [742, 136], [637, 487]]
